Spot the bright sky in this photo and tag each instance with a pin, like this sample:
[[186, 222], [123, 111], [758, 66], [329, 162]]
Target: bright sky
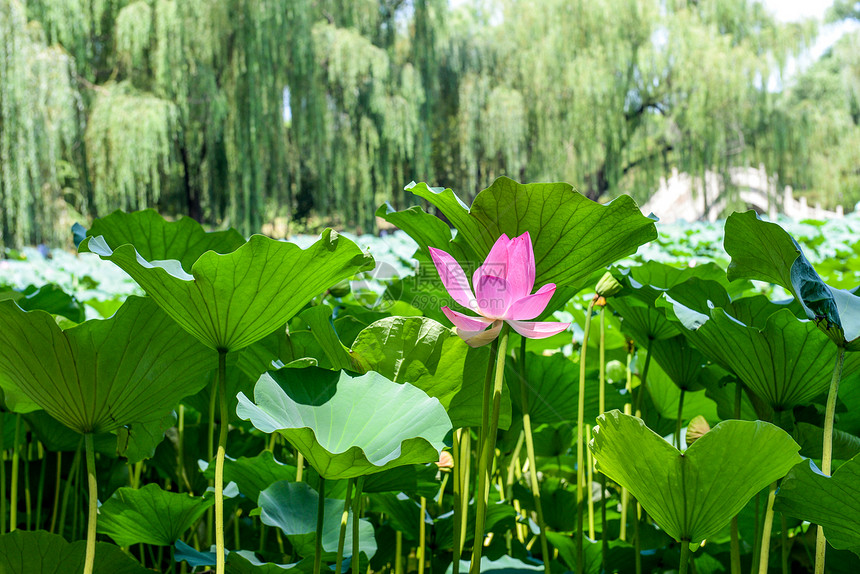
[[793, 10]]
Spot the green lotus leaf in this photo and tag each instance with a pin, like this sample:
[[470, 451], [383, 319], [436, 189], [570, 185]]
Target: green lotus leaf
[[293, 506], [50, 298], [832, 502], [430, 356], [427, 230], [641, 320], [765, 251], [665, 395], [502, 565], [811, 440], [238, 561], [230, 300], [553, 389], [253, 474], [40, 552], [149, 515], [681, 362], [345, 425], [157, 239], [102, 374], [787, 363], [564, 225], [694, 494]]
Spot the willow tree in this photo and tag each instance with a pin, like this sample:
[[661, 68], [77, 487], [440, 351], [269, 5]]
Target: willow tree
[[38, 127], [611, 95]]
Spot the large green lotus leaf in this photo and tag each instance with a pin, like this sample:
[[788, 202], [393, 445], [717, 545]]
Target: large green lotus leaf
[[765, 251], [102, 374], [50, 298], [238, 561], [244, 367], [149, 515], [572, 235], [692, 495], [665, 395], [641, 320], [292, 507], [320, 340], [427, 230], [787, 363], [40, 552], [346, 425], [502, 565], [420, 351], [681, 362], [811, 440], [157, 239], [253, 474], [553, 389], [231, 300], [832, 502]]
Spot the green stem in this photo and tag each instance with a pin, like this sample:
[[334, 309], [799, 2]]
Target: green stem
[[784, 550], [530, 453], [71, 483], [319, 530], [344, 520], [13, 497], [219, 463], [40, 493], [398, 553], [180, 452], [57, 492], [580, 459], [457, 549], [685, 557], [643, 380], [90, 559], [625, 494], [356, 515], [422, 536], [766, 531], [604, 540], [637, 541], [679, 422], [589, 482], [736, 545], [827, 454], [487, 451]]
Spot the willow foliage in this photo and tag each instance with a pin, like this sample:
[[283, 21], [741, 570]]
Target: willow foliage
[[243, 111]]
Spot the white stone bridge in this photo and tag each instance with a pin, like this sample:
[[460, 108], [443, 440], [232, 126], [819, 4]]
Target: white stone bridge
[[682, 197]]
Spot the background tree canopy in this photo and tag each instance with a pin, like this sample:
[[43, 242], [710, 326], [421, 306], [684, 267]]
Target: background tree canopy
[[245, 111]]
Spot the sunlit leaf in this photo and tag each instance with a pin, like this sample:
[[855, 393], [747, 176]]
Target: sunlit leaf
[[694, 494], [830, 501], [149, 515], [102, 374], [347, 425]]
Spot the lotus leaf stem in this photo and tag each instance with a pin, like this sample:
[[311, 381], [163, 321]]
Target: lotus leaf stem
[[530, 453], [219, 463], [827, 452], [589, 481], [604, 541], [488, 451], [344, 519], [766, 531], [680, 421], [628, 407], [58, 478], [422, 536], [319, 529], [580, 458], [685, 557], [90, 557], [356, 515], [13, 495]]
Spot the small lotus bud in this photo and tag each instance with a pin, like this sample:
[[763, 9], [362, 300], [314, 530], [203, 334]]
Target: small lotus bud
[[608, 285], [446, 461], [697, 429], [341, 289]]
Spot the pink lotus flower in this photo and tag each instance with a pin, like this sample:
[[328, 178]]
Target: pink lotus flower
[[503, 293]]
